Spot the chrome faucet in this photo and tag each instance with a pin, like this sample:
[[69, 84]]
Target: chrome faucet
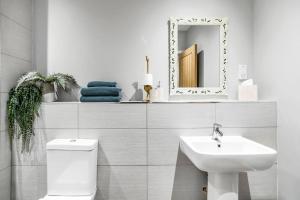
[[217, 133]]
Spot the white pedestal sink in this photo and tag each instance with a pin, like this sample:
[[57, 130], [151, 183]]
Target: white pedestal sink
[[223, 161]]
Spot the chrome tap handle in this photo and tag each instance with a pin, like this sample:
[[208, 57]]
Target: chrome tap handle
[[216, 131], [219, 131]]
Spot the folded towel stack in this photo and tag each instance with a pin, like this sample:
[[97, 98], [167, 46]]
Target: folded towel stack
[[100, 91]]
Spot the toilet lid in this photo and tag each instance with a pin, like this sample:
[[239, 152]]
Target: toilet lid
[[68, 198]]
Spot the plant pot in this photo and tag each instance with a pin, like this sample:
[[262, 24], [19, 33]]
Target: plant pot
[[49, 94]]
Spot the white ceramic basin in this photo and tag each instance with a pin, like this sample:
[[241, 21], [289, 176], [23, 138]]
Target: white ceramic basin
[[235, 154], [224, 160]]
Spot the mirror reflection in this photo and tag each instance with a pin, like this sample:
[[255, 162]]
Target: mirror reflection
[[199, 55]]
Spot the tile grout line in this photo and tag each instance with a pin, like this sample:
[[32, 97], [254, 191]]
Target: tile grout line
[[77, 121], [16, 57], [207, 127], [147, 154], [16, 22], [215, 113], [5, 168], [131, 165]]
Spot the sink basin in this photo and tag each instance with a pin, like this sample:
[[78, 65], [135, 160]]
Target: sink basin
[[235, 154], [224, 160]]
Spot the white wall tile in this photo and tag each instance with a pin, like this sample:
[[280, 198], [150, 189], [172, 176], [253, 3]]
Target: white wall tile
[[15, 39], [188, 183], [119, 146], [29, 182], [265, 136], [185, 115], [110, 115], [5, 152], [246, 114], [176, 183], [12, 69], [58, 115], [163, 145], [160, 182], [16, 52], [37, 155], [19, 11], [263, 184], [244, 188], [122, 182], [3, 116], [5, 182]]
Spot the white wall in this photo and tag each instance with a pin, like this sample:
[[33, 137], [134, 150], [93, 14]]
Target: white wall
[[40, 18], [277, 70], [108, 39]]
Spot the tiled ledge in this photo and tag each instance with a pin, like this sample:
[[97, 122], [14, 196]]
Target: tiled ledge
[[157, 115], [166, 102]]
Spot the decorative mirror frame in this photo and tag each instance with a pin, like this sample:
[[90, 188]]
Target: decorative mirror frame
[[173, 56]]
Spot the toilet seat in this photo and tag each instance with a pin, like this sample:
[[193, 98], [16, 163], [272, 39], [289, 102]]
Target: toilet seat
[[67, 198], [89, 197]]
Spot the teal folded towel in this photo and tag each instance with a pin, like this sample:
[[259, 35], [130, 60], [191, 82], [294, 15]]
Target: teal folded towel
[[101, 84], [99, 99], [100, 91]]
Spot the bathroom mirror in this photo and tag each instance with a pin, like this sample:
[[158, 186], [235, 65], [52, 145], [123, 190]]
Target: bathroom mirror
[[198, 56]]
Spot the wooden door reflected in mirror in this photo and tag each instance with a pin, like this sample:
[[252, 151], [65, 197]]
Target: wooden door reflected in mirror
[[188, 67]]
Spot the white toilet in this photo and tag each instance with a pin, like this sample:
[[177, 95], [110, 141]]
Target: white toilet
[[71, 169]]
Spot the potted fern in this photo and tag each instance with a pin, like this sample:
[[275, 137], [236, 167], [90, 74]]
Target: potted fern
[[25, 99], [48, 84]]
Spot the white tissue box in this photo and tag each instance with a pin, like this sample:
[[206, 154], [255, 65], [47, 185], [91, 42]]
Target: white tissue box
[[248, 93]]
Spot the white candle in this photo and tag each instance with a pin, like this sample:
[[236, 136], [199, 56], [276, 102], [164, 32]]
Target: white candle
[[148, 79]]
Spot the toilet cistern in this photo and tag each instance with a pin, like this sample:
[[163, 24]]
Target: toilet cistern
[[71, 169]]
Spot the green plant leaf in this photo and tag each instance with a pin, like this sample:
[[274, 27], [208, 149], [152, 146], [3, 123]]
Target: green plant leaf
[[22, 108], [30, 78], [24, 102]]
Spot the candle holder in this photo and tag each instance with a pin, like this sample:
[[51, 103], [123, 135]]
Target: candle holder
[[148, 82], [148, 89]]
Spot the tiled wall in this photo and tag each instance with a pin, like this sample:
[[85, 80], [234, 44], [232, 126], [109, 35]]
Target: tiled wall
[[15, 59], [139, 156]]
